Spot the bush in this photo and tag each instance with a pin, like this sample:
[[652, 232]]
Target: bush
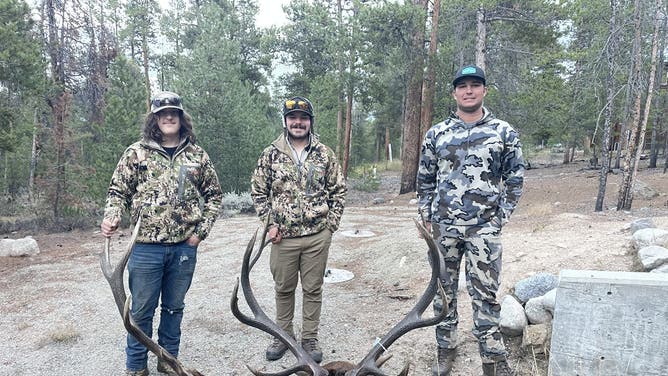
[[234, 203]]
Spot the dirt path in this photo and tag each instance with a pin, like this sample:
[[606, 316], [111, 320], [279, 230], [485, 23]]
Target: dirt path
[[58, 315]]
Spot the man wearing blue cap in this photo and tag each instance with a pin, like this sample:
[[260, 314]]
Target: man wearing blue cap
[[469, 182]]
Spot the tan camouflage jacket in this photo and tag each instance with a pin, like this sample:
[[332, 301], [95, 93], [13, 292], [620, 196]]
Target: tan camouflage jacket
[[303, 199], [177, 196]]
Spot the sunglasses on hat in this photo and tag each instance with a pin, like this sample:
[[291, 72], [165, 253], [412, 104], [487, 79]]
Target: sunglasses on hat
[[294, 105]]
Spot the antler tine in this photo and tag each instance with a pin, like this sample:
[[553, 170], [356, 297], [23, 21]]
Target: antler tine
[[153, 346], [115, 275], [261, 321], [116, 281], [265, 242], [413, 319]]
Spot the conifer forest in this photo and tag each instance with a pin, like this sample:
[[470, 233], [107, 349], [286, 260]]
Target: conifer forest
[[76, 76]]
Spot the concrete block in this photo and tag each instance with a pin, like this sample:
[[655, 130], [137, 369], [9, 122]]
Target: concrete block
[[610, 323]]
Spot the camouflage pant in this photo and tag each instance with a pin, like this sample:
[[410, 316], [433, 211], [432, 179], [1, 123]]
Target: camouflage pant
[[481, 249]]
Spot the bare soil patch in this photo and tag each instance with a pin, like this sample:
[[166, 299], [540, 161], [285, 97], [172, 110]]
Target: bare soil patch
[[59, 318]]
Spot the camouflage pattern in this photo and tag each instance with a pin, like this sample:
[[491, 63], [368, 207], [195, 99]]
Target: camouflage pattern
[[176, 197], [469, 182], [304, 198], [470, 174], [482, 265]]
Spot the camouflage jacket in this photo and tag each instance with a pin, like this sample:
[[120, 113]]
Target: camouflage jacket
[[470, 175], [176, 197], [303, 199]]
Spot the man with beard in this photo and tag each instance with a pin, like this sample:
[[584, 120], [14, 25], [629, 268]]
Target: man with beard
[[298, 183], [469, 182]]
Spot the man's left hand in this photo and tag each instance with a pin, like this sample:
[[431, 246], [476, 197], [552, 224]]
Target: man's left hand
[[193, 241]]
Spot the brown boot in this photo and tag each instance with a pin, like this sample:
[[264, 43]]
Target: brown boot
[[276, 349], [312, 348], [500, 368], [163, 367], [443, 364]]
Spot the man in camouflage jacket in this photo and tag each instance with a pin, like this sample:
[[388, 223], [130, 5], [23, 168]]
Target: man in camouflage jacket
[[469, 182], [299, 184], [170, 183]]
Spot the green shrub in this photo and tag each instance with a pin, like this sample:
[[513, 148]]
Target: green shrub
[[234, 203], [367, 183]]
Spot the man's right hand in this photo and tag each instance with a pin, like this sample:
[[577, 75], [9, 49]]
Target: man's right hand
[[109, 226], [274, 234]]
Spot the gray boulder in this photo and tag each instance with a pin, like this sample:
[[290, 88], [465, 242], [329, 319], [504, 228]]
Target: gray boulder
[[536, 311], [644, 191], [653, 256], [513, 320], [537, 338], [661, 269], [535, 286], [549, 300], [19, 247], [650, 236], [641, 223]]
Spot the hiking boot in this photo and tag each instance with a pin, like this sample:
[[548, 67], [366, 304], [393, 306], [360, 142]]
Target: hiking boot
[[501, 368], [141, 372], [312, 348], [276, 349], [163, 367], [444, 361]]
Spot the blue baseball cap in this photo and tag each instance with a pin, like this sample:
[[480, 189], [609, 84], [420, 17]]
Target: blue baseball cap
[[469, 71]]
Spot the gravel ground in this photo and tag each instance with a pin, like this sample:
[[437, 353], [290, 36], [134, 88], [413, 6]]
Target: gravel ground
[[59, 318]]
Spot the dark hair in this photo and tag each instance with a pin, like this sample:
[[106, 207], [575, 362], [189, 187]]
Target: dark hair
[[151, 131]]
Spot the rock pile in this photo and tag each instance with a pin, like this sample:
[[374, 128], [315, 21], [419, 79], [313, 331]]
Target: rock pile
[[529, 310]]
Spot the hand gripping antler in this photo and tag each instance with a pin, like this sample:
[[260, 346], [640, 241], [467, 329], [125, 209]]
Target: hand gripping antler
[[260, 319], [115, 278], [413, 319]]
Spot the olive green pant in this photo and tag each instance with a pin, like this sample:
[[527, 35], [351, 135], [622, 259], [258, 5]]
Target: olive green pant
[[302, 258]]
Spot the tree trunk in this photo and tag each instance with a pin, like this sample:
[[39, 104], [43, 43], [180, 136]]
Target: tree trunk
[[387, 143], [567, 156], [339, 129], [347, 133], [339, 111], [59, 102], [480, 38], [411, 146], [610, 95], [639, 125], [147, 79], [659, 102], [428, 88], [658, 119], [33, 157], [665, 151]]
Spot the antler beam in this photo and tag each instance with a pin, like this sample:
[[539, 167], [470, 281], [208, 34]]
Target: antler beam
[[116, 281], [261, 321]]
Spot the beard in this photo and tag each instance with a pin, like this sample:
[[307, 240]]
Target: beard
[[293, 132], [298, 137]]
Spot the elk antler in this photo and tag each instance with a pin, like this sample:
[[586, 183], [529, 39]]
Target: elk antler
[[260, 319], [413, 319], [115, 278], [371, 364]]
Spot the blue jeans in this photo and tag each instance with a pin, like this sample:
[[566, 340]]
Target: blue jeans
[[157, 270]]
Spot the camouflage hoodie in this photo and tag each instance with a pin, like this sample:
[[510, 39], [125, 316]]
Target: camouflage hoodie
[[177, 196], [470, 175], [304, 199]]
